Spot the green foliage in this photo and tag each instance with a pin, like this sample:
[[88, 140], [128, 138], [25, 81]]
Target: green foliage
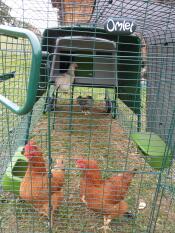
[[5, 16]]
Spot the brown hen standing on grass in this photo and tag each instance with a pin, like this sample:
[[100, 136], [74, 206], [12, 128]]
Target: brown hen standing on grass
[[64, 81], [35, 184], [104, 196]]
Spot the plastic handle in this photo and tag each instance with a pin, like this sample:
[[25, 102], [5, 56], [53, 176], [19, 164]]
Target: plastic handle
[[34, 71]]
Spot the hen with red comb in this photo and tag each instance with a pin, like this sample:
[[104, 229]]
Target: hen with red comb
[[104, 196], [34, 187]]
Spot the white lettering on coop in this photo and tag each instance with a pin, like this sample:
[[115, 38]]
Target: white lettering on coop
[[120, 26]]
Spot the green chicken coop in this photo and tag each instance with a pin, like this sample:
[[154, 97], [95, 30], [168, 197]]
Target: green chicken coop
[[125, 55]]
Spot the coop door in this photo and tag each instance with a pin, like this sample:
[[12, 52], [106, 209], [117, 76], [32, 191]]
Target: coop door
[[95, 58]]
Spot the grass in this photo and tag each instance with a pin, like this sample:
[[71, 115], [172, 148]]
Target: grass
[[95, 136], [15, 55]]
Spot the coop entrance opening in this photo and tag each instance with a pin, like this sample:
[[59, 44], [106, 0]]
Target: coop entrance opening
[[95, 57], [101, 62]]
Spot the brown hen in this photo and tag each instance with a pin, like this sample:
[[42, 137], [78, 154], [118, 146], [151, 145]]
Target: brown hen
[[104, 196], [34, 187]]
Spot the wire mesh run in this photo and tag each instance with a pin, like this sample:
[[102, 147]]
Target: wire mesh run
[[96, 151]]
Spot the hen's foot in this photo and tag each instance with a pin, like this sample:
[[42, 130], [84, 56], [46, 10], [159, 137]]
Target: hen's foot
[[106, 229]]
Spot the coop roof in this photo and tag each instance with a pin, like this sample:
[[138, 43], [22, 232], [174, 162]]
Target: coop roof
[[150, 16]]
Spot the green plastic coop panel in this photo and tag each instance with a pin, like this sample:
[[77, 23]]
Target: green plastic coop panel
[[154, 149], [128, 60], [14, 173], [129, 66]]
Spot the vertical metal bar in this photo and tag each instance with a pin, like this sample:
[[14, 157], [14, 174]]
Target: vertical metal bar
[[114, 105], [55, 99], [49, 168], [139, 121], [49, 159]]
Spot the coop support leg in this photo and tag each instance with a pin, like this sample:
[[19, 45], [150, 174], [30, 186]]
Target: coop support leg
[[115, 104], [139, 122], [113, 109], [72, 92], [47, 98], [116, 101]]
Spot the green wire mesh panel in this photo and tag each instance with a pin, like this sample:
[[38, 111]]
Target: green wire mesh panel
[[26, 39], [161, 101], [17, 58], [15, 66], [14, 50], [117, 109]]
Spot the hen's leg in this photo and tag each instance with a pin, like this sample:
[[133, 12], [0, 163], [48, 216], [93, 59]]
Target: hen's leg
[[44, 211], [106, 225], [51, 220], [118, 211]]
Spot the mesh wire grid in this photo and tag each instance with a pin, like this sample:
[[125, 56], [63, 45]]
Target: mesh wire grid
[[127, 99]]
